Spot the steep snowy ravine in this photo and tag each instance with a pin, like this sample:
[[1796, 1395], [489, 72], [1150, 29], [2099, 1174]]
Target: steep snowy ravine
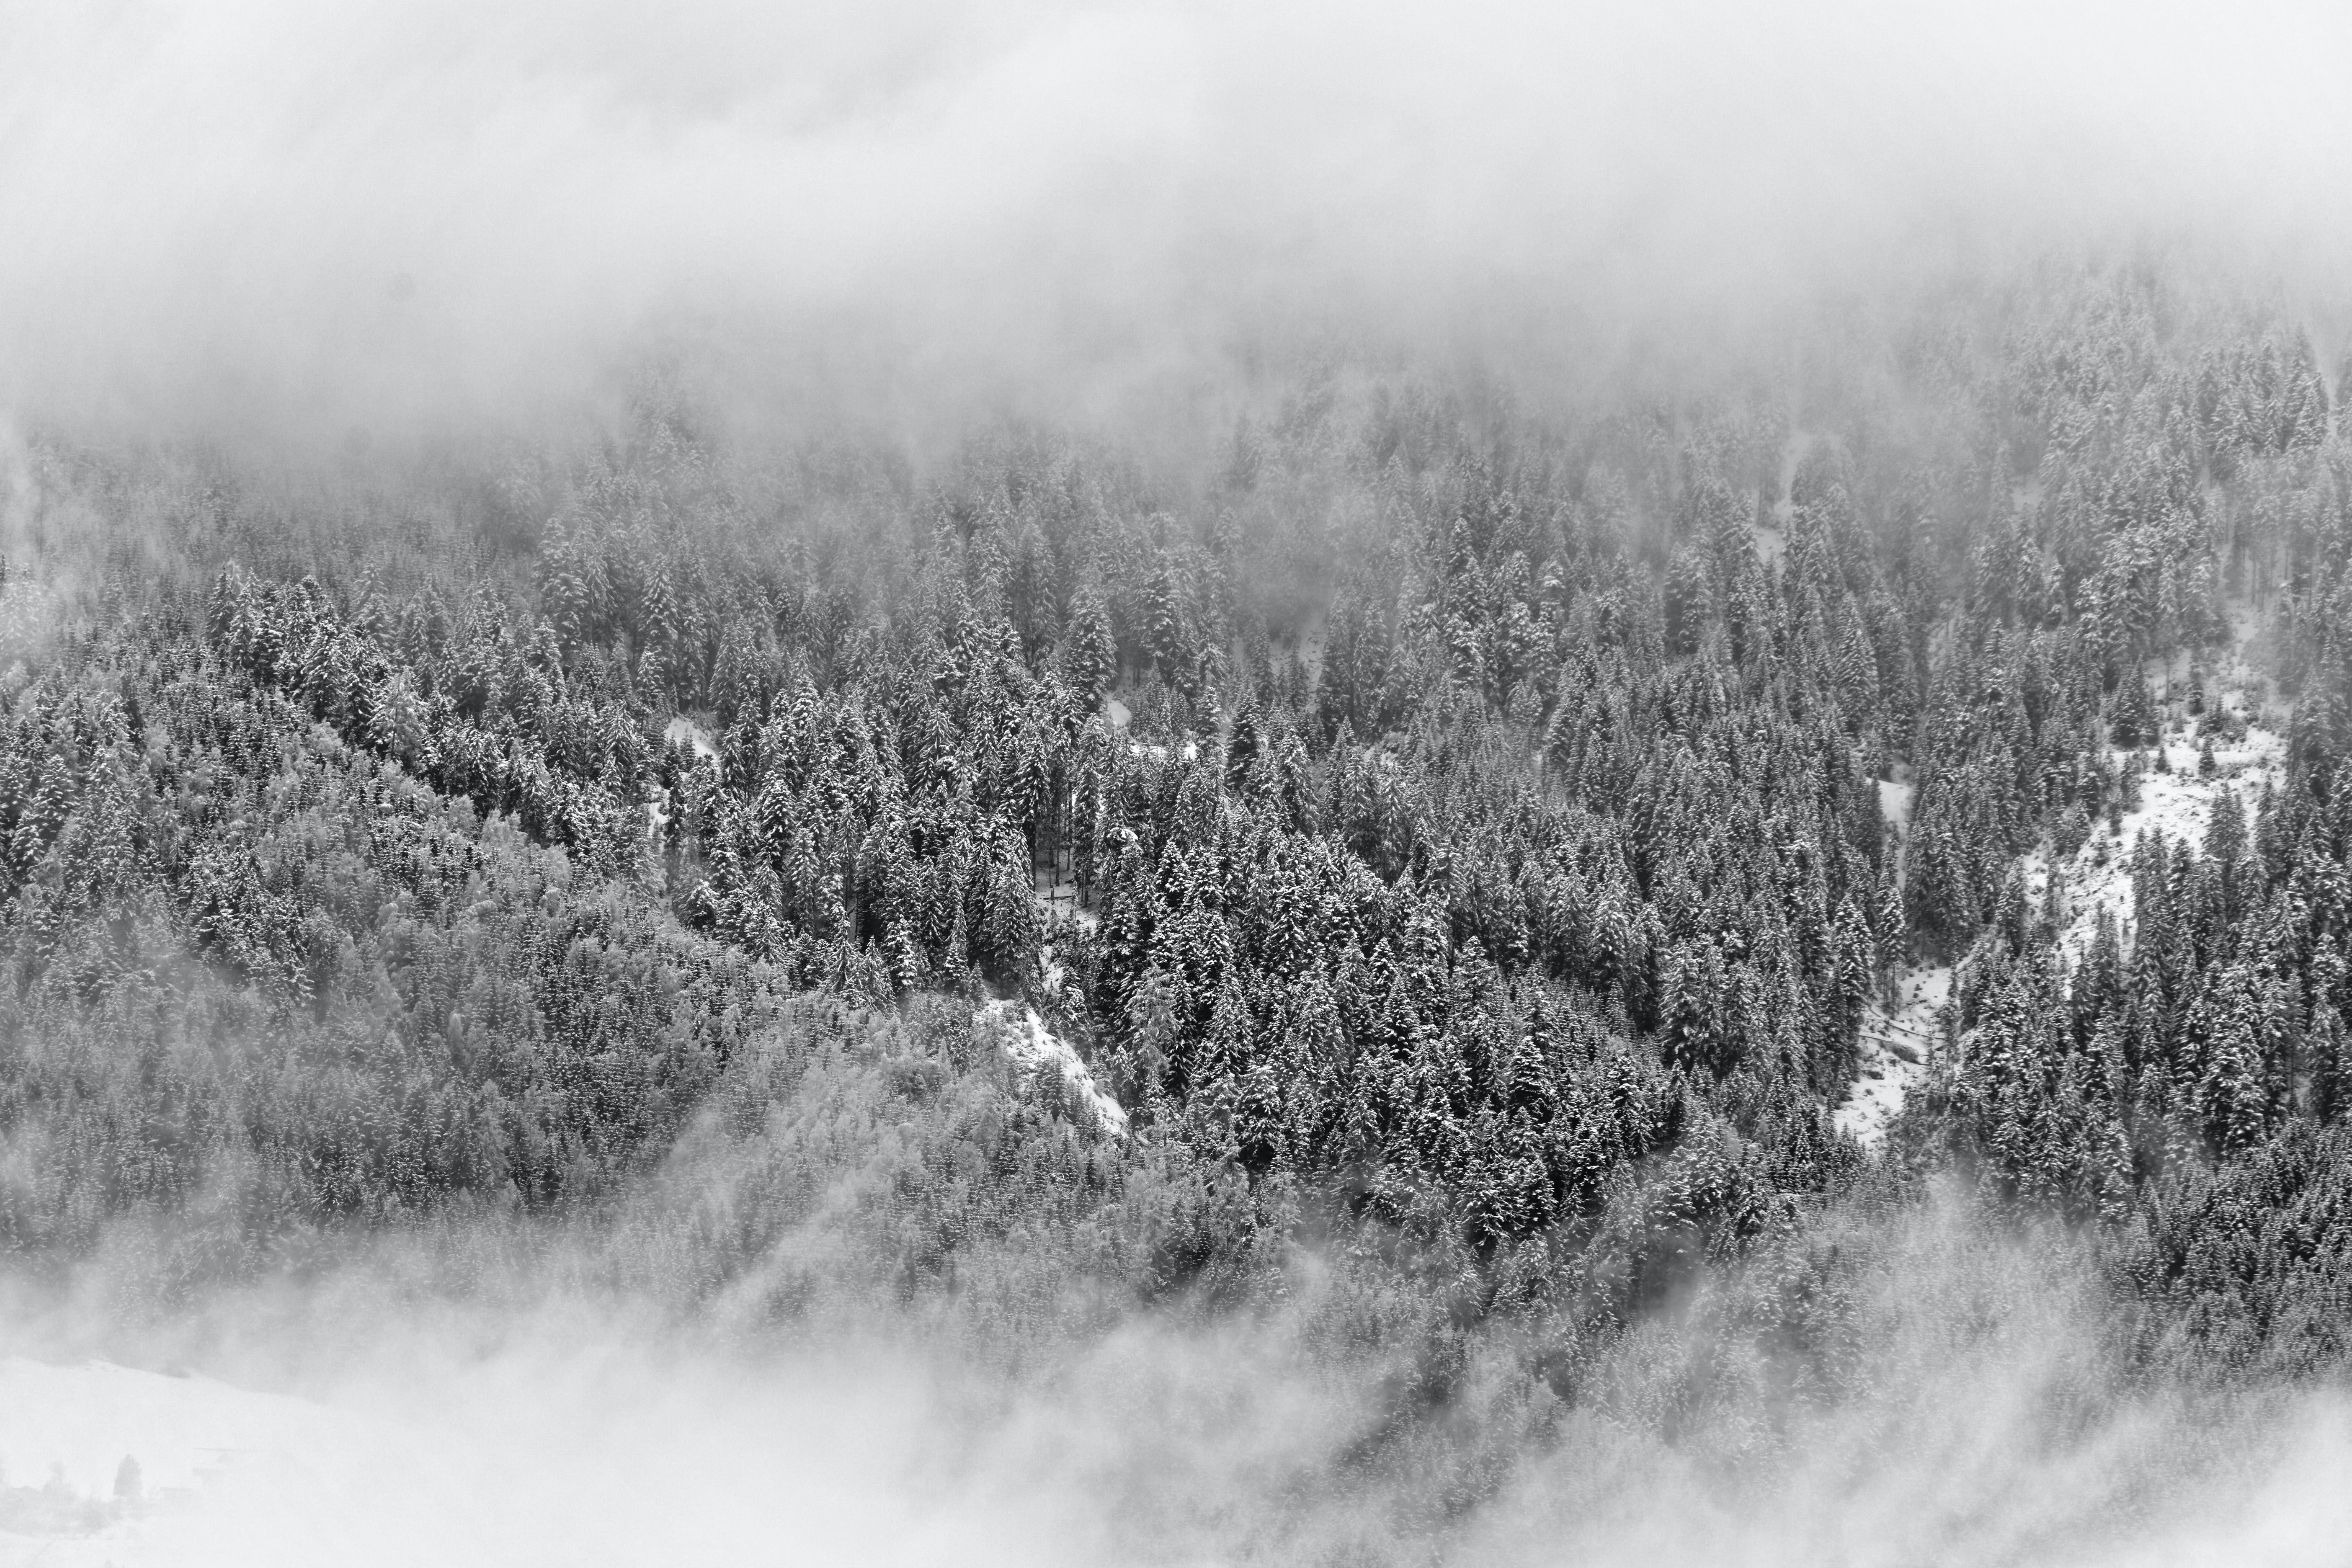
[[2178, 802]]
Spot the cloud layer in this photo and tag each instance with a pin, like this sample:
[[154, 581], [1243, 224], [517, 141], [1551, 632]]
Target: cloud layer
[[1976, 1423], [308, 213]]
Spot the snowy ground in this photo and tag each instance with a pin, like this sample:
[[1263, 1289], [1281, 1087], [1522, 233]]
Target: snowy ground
[[1894, 801], [1034, 1049], [1118, 715], [1895, 1048], [1894, 1037], [2178, 802], [1060, 905], [682, 731]]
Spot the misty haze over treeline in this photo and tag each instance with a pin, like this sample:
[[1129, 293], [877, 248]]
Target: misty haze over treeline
[[1153, 783]]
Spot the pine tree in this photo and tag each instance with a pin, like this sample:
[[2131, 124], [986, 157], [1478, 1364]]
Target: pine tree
[[1089, 652]]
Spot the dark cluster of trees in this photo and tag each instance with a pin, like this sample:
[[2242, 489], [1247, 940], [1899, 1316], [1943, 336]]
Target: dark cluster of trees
[[1439, 820]]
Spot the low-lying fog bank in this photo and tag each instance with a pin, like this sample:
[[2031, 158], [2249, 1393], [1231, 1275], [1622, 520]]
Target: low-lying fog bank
[[1956, 1408]]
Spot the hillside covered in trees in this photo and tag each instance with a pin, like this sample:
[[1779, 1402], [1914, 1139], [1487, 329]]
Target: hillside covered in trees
[[1477, 846]]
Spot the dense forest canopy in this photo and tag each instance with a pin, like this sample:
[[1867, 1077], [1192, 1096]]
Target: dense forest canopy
[[1518, 870]]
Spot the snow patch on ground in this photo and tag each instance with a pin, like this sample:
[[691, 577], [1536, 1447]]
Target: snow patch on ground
[[2178, 804], [1060, 905], [682, 731], [1065, 919], [1896, 1046], [1033, 1048], [1895, 1037], [1894, 803]]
